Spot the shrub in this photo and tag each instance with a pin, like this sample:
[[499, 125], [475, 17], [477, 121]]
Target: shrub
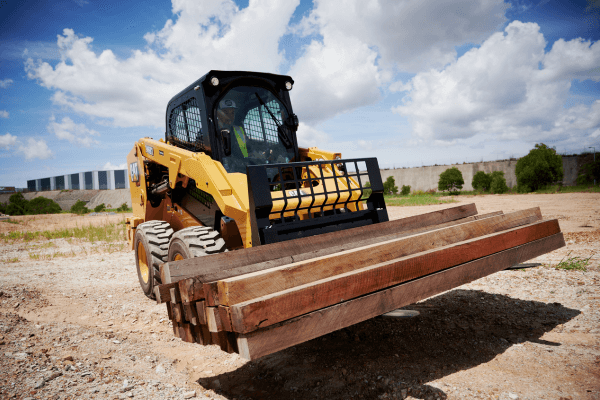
[[99, 208], [2, 208], [451, 180], [17, 204], [79, 207], [42, 205], [367, 192], [481, 181], [124, 207], [589, 172], [498, 185], [389, 186], [405, 190], [539, 168]]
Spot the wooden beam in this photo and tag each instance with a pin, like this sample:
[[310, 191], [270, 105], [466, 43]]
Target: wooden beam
[[211, 287], [190, 289], [307, 327], [176, 271], [277, 307], [177, 313], [201, 313], [190, 313], [187, 335], [162, 293], [242, 288], [175, 296], [214, 319]]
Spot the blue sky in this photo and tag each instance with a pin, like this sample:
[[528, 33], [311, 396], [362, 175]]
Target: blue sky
[[411, 83]]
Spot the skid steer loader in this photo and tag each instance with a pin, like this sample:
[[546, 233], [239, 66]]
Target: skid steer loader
[[229, 175], [256, 245]]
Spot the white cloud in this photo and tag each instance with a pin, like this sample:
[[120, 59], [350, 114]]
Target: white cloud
[[4, 114], [410, 34], [110, 165], [35, 149], [7, 140], [4, 83], [309, 136], [73, 132], [134, 91], [509, 87], [362, 43]]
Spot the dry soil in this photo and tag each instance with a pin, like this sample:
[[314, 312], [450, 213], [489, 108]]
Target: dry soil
[[74, 324]]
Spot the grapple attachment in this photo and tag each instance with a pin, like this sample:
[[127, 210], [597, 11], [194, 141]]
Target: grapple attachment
[[294, 200]]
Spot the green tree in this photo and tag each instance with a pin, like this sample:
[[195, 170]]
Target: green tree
[[124, 207], [42, 205], [451, 180], [99, 207], [589, 172], [498, 185], [16, 204], [389, 186], [541, 167], [405, 190], [481, 181], [79, 207]]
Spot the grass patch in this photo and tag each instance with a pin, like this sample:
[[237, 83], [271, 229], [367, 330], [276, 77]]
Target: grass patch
[[424, 199], [11, 260], [573, 263], [570, 189], [107, 233], [10, 221]]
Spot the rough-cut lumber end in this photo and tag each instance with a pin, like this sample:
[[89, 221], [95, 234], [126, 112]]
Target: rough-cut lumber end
[[190, 290], [214, 319], [211, 293], [177, 313], [165, 273], [169, 311], [307, 327], [175, 297], [225, 316], [187, 333], [163, 292], [190, 313], [201, 313], [175, 328]]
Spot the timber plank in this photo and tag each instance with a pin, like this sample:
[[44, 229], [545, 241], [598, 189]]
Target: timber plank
[[187, 336], [176, 271], [210, 279], [213, 318], [162, 293], [175, 296], [190, 313], [277, 307], [307, 327], [242, 288], [190, 290], [201, 313], [177, 313]]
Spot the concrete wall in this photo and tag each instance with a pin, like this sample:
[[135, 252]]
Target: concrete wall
[[426, 178], [112, 198]]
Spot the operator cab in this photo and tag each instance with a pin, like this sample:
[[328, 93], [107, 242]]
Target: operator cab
[[238, 118], [249, 120]]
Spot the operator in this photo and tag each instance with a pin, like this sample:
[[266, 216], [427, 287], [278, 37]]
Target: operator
[[226, 115]]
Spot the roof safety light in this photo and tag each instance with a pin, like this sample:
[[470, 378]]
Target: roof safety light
[[288, 85], [214, 81]]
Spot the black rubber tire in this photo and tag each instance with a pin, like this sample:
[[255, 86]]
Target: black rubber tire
[[195, 241], [154, 236]]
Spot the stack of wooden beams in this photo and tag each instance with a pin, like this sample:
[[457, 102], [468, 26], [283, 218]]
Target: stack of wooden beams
[[264, 299]]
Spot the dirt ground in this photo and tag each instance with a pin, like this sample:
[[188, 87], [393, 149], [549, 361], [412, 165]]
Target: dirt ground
[[79, 327]]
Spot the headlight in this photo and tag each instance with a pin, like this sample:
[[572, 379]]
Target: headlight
[[214, 81], [288, 85]]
